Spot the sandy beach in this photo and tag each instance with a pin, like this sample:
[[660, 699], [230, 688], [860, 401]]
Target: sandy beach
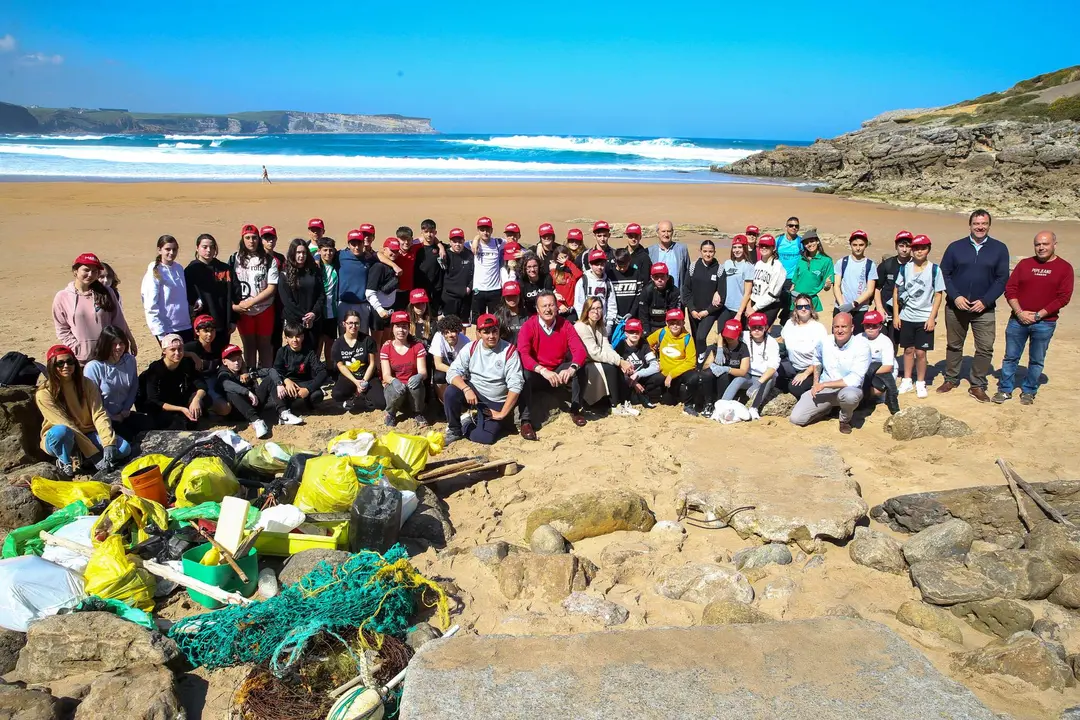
[[43, 226]]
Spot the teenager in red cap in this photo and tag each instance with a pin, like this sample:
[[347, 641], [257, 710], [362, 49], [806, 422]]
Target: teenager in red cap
[[565, 278], [268, 236], [210, 288], [552, 356], [257, 278], [879, 377], [856, 278], [164, 293], [352, 265], [595, 283], [329, 325], [430, 256], [535, 278], [74, 417], [404, 372], [403, 263], [601, 231], [511, 314], [511, 267], [316, 229], [381, 293], [644, 384], [801, 336], [764, 362], [487, 261], [302, 294], [752, 235], [639, 254], [732, 361], [356, 358], [678, 358], [457, 276], [485, 375], [703, 297], [604, 365], [626, 283], [657, 298], [171, 390], [575, 243], [769, 280], [889, 268], [202, 350], [738, 281], [247, 391], [449, 340], [918, 292], [512, 233], [85, 307], [421, 322]]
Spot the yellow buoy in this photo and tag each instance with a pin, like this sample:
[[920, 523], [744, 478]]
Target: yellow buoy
[[360, 704]]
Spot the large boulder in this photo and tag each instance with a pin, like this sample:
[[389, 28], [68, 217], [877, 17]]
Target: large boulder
[[1025, 656], [11, 643], [546, 540], [727, 612], [1059, 543], [947, 582], [770, 670], [1067, 594], [549, 577], [139, 692], [1022, 574], [77, 643], [930, 618], [19, 704], [704, 583], [758, 557], [779, 406], [20, 428], [996, 616], [593, 514], [950, 539], [877, 550], [303, 562], [430, 523], [911, 423]]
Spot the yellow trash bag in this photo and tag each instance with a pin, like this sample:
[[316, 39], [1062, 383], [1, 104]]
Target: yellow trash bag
[[352, 442], [146, 461], [61, 493], [129, 517], [205, 479], [409, 452], [370, 468], [329, 484], [112, 575]]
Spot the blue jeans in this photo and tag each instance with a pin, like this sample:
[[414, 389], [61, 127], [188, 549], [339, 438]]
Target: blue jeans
[[60, 443], [1016, 336]]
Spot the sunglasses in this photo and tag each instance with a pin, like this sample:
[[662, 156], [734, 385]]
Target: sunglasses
[[66, 363], [802, 307], [792, 226]]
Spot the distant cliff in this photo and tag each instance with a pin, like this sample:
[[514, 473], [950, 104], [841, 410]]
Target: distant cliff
[[17, 119], [1015, 152]]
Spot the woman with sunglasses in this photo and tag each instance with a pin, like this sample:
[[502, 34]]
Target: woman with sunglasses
[[76, 422], [85, 307], [171, 391], [764, 362], [355, 356], [303, 294], [256, 274], [813, 273], [769, 279], [801, 336], [164, 293]]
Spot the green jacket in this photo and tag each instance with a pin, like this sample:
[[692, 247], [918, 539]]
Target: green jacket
[[810, 278]]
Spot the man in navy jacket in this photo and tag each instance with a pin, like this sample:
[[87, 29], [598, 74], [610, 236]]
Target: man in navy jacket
[[975, 270]]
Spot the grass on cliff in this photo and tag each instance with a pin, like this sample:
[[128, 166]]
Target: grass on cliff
[[1029, 100]]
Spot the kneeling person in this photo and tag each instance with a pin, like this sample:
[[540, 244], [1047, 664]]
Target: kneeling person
[[247, 391], [487, 375], [879, 377], [645, 383], [842, 363]]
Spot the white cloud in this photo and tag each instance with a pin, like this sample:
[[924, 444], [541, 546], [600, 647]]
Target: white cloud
[[7, 43], [41, 59]]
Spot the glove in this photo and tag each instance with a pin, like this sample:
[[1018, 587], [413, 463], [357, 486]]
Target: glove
[[846, 307], [719, 370], [108, 458]]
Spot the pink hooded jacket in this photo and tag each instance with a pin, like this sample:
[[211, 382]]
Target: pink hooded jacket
[[79, 321]]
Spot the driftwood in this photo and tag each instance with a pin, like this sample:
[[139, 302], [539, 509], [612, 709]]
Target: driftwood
[[224, 551], [1031, 492], [1020, 509], [508, 467]]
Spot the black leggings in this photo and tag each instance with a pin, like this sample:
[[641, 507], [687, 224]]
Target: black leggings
[[653, 385], [484, 301], [684, 389], [701, 329], [770, 313], [344, 389], [265, 392], [786, 375]]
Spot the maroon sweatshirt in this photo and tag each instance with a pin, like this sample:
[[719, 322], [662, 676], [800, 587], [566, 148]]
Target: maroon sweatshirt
[[1041, 286], [550, 351]]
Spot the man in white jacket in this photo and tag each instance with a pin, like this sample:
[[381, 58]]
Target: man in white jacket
[[838, 376], [164, 293]]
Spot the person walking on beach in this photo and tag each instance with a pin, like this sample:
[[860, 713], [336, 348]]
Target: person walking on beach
[[1037, 289], [671, 253], [856, 279], [487, 258], [842, 363], [266, 176], [975, 269], [917, 292], [886, 280]]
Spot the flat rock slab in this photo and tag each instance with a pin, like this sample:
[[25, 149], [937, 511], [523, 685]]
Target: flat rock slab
[[772, 670]]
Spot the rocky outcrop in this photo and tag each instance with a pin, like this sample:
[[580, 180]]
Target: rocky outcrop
[[1025, 656], [593, 514], [20, 428], [996, 616], [919, 421]]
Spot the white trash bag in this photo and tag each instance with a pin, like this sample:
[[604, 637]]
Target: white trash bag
[[730, 411], [77, 531], [32, 588]]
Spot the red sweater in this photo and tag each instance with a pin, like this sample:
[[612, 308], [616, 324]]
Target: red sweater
[[549, 351], [1041, 286]]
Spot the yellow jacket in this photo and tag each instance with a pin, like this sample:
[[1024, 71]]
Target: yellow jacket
[[676, 353], [88, 417]]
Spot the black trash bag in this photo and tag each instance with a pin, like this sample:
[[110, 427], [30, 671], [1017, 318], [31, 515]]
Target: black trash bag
[[168, 546], [283, 490], [375, 519]]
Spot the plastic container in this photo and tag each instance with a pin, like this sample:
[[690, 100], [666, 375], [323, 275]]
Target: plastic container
[[222, 576], [147, 483], [375, 519], [286, 544]]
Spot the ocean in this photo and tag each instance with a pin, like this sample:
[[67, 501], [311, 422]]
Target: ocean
[[371, 157]]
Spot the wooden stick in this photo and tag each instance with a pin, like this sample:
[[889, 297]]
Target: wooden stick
[[1020, 509], [449, 469], [433, 465], [225, 554], [484, 467], [1039, 500], [247, 543]]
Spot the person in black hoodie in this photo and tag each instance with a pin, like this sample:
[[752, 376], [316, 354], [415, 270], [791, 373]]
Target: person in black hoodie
[[639, 255], [456, 294], [627, 284], [656, 298], [302, 293], [535, 279], [248, 391], [382, 292], [268, 238], [207, 361], [212, 289], [302, 375], [429, 271], [703, 295], [171, 391]]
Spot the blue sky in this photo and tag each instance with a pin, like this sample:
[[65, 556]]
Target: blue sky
[[775, 70]]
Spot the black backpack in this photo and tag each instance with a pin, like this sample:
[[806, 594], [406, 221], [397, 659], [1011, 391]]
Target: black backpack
[[18, 369]]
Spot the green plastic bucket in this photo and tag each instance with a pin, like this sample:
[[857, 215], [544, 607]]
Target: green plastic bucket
[[222, 576]]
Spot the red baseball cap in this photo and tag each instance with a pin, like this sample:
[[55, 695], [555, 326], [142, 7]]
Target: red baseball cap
[[511, 289], [510, 250], [732, 329], [904, 235], [633, 229], [230, 350], [392, 244], [752, 230], [757, 320], [356, 235], [56, 351], [485, 321], [249, 229], [740, 240], [367, 229], [920, 241], [658, 269], [457, 234], [419, 295], [600, 225], [673, 314], [858, 234], [263, 231], [575, 234], [512, 228], [202, 319], [873, 318], [87, 259], [633, 325], [546, 229], [483, 222], [399, 316], [766, 241], [597, 254], [315, 223]]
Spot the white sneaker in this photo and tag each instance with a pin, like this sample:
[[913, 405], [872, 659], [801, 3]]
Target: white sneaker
[[905, 386], [630, 409], [624, 410], [920, 390], [286, 417], [261, 429]]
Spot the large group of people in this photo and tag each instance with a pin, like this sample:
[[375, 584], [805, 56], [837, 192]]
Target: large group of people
[[383, 327]]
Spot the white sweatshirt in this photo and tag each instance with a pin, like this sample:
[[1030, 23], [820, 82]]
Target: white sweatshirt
[[591, 286], [165, 300], [769, 279], [762, 358]]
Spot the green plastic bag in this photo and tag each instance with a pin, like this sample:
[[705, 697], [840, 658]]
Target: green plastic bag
[[179, 517], [25, 540], [120, 609], [269, 458]]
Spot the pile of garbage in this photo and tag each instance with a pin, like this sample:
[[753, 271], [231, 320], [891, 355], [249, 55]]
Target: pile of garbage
[[212, 519]]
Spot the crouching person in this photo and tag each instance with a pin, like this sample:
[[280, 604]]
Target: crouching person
[[841, 366], [485, 375], [171, 391], [645, 383], [404, 372], [879, 378], [302, 375], [248, 391], [677, 354]]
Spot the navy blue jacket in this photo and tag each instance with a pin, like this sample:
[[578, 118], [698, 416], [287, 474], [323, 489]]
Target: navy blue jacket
[[975, 276]]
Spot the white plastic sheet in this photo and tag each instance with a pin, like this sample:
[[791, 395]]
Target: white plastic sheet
[[730, 411], [77, 531], [32, 588]]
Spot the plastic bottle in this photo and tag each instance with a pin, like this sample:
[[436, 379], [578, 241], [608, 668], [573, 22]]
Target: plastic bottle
[[375, 519], [268, 584]]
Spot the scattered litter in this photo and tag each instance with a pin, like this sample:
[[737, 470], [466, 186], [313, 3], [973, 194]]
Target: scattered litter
[[32, 588], [111, 574], [61, 493], [281, 518], [25, 540], [78, 531]]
